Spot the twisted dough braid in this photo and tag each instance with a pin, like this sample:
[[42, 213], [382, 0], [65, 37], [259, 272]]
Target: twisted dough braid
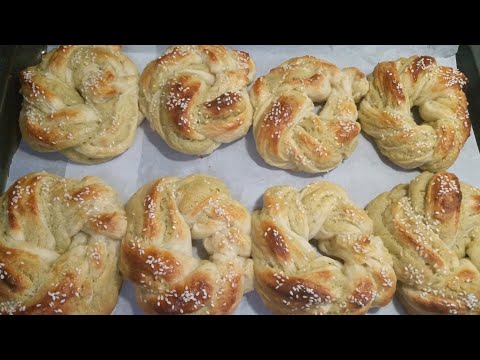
[[82, 101], [196, 97], [287, 131], [356, 271], [431, 228], [59, 246], [164, 217], [385, 113]]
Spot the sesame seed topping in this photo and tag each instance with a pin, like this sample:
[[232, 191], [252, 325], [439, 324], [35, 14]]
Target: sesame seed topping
[[446, 185], [159, 266], [11, 307], [3, 272]]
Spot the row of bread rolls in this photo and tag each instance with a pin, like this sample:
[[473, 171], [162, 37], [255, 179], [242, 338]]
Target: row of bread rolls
[[87, 101], [65, 242]]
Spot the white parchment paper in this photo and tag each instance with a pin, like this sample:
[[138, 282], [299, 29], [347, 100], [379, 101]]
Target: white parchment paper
[[364, 175]]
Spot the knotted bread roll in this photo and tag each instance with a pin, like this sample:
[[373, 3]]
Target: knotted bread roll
[[59, 246], [352, 273], [432, 229], [164, 217], [288, 132], [385, 114], [196, 97], [82, 101]]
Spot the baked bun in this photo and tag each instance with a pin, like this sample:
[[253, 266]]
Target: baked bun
[[196, 97], [288, 132], [352, 273], [81, 101], [386, 112], [59, 246], [432, 229], [164, 217]]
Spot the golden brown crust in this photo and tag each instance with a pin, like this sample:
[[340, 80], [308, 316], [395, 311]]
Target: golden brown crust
[[288, 133], [156, 254], [388, 79], [59, 246], [355, 273], [82, 101], [431, 229], [442, 205], [385, 113], [195, 96]]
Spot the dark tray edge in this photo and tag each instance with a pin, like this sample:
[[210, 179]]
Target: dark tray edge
[[466, 63], [15, 58]]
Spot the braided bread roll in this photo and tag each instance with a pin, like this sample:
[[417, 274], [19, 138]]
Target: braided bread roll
[[59, 246], [432, 229], [352, 273], [288, 133], [196, 97], [164, 217], [81, 101], [385, 113]]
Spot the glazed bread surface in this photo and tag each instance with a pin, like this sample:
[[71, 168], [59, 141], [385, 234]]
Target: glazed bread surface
[[81, 101], [60, 246], [195, 97], [164, 217], [431, 226], [349, 272], [289, 134], [418, 82]]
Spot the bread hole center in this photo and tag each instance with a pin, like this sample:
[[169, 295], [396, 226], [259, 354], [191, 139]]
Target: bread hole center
[[318, 107], [416, 116], [199, 251], [314, 244]]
